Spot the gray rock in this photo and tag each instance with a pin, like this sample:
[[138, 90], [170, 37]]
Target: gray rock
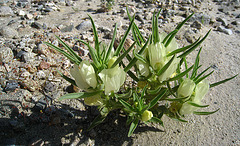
[[6, 54], [41, 74], [67, 28], [36, 25], [22, 3], [28, 56], [11, 85], [6, 11], [203, 18], [222, 20], [224, 30], [139, 18], [84, 26], [8, 32], [196, 24]]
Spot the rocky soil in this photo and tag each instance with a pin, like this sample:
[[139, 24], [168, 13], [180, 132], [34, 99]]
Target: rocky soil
[[30, 112]]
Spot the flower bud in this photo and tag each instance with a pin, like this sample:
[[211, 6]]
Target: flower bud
[[111, 61], [112, 79], [186, 88], [143, 68], [147, 115], [93, 100], [156, 53], [84, 75]]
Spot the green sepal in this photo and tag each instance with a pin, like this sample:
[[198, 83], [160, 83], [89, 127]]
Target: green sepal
[[98, 120], [165, 67], [155, 91], [133, 126], [70, 57], [156, 99], [171, 37], [202, 78], [126, 105], [175, 99], [120, 58], [194, 47], [197, 105], [195, 68], [69, 49], [186, 66], [205, 113], [95, 37], [67, 78], [79, 95], [184, 21], [199, 75], [223, 81], [126, 95]]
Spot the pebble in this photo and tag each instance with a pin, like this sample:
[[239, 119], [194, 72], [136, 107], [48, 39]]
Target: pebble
[[36, 25], [6, 54], [41, 75], [196, 24], [225, 30], [201, 17], [11, 85], [44, 65], [67, 28], [8, 32], [222, 20], [28, 56], [6, 11], [50, 86], [84, 26]]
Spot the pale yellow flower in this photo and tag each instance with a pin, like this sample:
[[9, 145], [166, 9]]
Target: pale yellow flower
[[147, 115], [93, 100], [186, 88]]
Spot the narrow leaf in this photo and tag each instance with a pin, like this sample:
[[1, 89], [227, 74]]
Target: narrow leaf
[[155, 91], [205, 113], [170, 89], [223, 81], [95, 36], [178, 119], [195, 68], [133, 126], [139, 57], [120, 58], [194, 47], [202, 78], [120, 46], [165, 67], [111, 44], [98, 120], [67, 78], [171, 37], [156, 120], [79, 95], [197, 105], [126, 105], [175, 99], [184, 21], [69, 49], [156, 99], [180, 75]]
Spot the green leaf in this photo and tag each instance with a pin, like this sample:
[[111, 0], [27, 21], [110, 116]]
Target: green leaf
[[223, 81], [197, 105], [165, 67], [194, 47], [175, 99], [183, 48], [67, 78], [205, 113], [69, 49], [139, 57], [129, 120], [133, 126], [156, 99], [70, 57], [180, 75], [79, 95], [120, 46], [155, 91], [186, 66], [202, 78], [156, 120], [178, 119], [98, 120], [120, 58], [156, 33], [126, 105], [111, 44], [131, 74], [195, 68], [95, 37], [136, 28], [171, 37], [184, 21], [134, 60], [126, 95], [170, 89]]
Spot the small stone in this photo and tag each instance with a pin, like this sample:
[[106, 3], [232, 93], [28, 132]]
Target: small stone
[[29, 16], [196, 24], [223, 21], [50, 86], [224, 30], [27, 95], [236, 23], [8, 32], [6, 54], [6, 11], [11, 85], [44, 65], [36, 25], [25, 75], [84, 26], [21, 13], [41, 75], [139, 18], [28, 56], [67, 28]]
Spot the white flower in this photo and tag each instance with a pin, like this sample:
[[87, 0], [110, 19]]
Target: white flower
[[170, 70], [93, 100], [200, 91], [112, 79], [147, 115], [156, 54], [84, 75], [186, 88], [143, 68]]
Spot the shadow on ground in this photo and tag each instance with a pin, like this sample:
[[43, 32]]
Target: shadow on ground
[[63, 125]]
